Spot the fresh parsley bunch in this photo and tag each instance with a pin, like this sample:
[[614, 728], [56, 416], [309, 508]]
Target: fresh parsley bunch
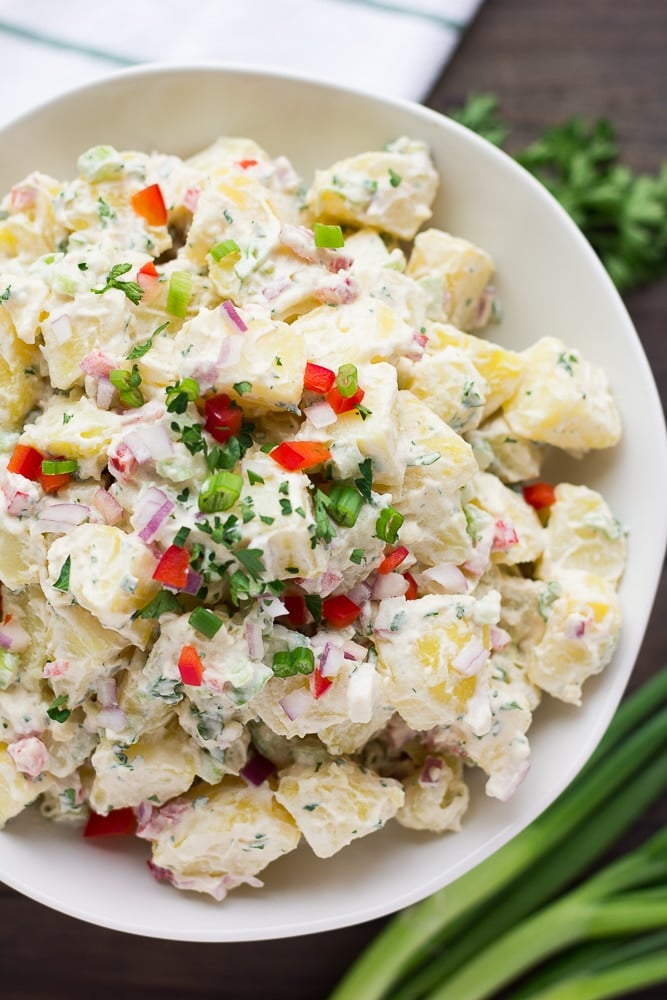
[[623, 214]]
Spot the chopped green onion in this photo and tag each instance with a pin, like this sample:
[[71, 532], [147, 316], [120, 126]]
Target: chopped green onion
[[254, 478], [220, 492], [394, 178], [178, 295], [346, 502], [347, 380], [303, 660], [357, 556], [56, 467], [282, 663], [127, 384], [328, 236], [242, 387], [287, 663], [389, 524], [223, 249], [205, 621], [179, 395]]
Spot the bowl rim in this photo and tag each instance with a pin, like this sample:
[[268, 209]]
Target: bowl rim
[[361, 911]]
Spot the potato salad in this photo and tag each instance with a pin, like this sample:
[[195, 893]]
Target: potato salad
[[278, 564]]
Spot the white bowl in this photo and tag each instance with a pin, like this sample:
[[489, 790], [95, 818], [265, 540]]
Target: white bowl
[[550, 283]]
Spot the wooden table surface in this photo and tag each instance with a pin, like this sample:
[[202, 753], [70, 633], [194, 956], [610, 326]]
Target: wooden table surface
[[546, 62]]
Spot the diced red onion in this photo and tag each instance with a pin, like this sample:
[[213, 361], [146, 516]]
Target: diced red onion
[[29, 755], [62, 328], [360, 692], [55, 668], [389, 585], [431, 771], [22, 196], [230, 351], [112, 717], [18, 503], [504, 535], [324, 584], [354, 650], [98, 363], [296, 702], [146, 414], [448, 578], [121, 462], [471, 658], [479, 559], [320, 414], [257, 769], [362, 591], [106, 692], [155, 508], [337, 292], [273, 607], [331, 660], [150, 443], [193, 582], [61, 517], [105, 393], [254, 639], [205, 374], [191, 198], [228, 307], [13, 636], [276, 288], [499, 637], [108, 506]]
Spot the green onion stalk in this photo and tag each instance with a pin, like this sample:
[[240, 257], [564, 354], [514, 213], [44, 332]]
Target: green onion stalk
[[625, 774]]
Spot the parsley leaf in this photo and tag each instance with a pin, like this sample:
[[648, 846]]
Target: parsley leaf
[[139, 350], [58, 710], [62, 583], [163, 602], [365, 481], [133, 291], [623, 214]]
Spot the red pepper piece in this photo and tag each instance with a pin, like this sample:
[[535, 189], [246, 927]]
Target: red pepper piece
[[412, 593], [318, 683], [52, 483], [172, 568], [149, 204], [340, 611], [393, 559], [223, 417], [317, 378], [190, 666], [539, 495], [244, 164], [117, 823], [297, 455], [343, 404], [149, 270], [26, 461]]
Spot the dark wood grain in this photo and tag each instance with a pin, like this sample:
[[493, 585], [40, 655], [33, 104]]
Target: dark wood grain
[[546, 61]]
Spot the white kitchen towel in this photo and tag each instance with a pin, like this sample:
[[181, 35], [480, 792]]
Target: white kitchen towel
[[392, 47]]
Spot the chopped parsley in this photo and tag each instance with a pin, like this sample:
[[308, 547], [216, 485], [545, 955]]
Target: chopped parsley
[[58, 710], [139, 350], [163, 602], [131, 289], [62, 583]]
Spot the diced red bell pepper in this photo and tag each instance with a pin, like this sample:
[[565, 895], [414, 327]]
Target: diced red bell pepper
[[393, 559], [412, 593], [172, 568], [340, 611], [26, 461], [244, 164], [52, 483], [297, 455], [223, 418], [318, 683], [149, 269], [190, 666], [317, 378], [296, 609], [149, 204], [343, 404], [117, 823], [539, 495]]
